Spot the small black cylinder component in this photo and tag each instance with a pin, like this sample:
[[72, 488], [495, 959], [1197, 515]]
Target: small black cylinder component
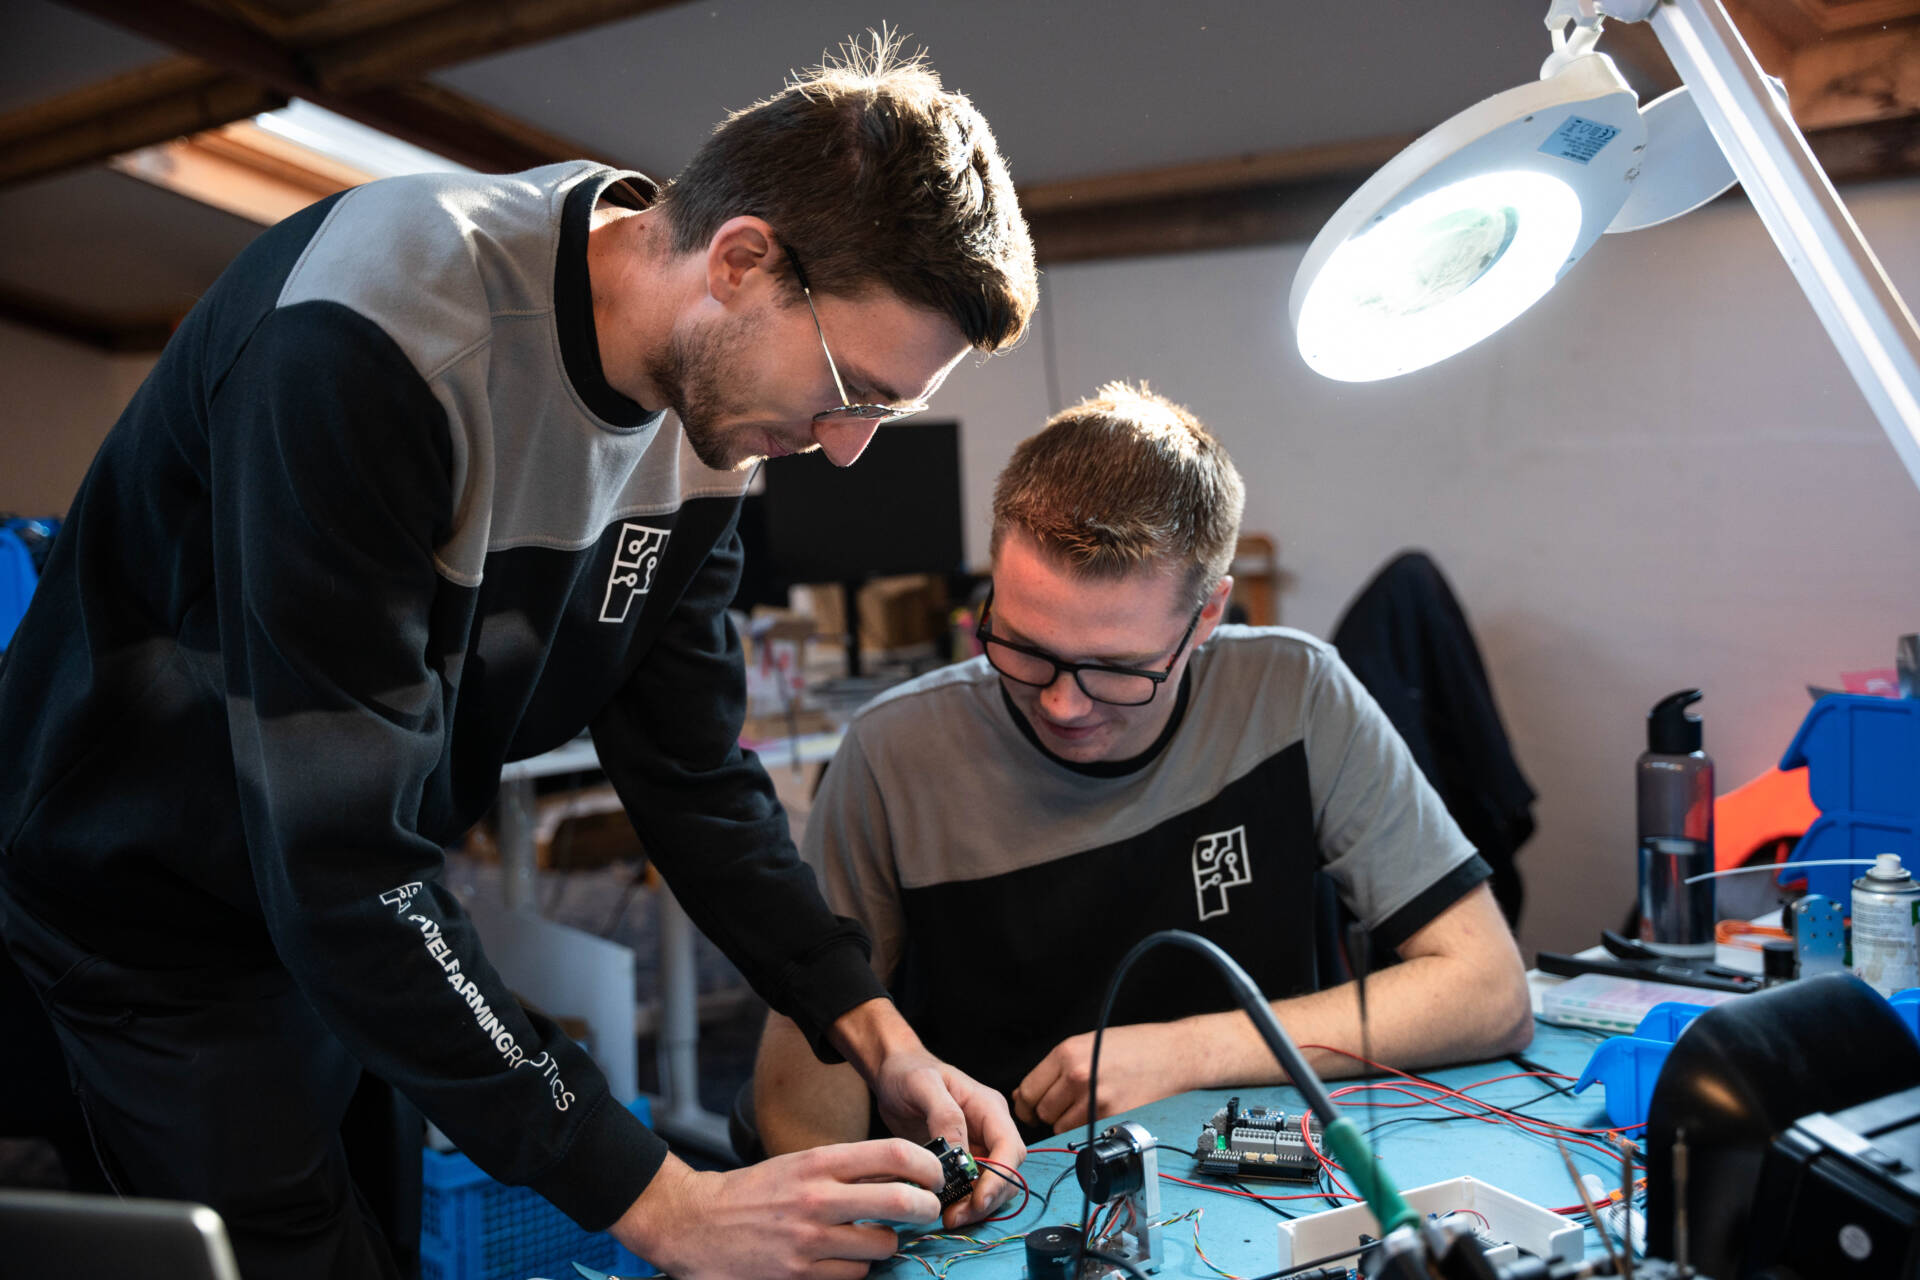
[[1050, 1253], [1779, 962], [1109, 1168]]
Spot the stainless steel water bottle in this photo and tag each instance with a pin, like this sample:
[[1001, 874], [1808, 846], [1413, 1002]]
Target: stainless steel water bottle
[[1673, 783]]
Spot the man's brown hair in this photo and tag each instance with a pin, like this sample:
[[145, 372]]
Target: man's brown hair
[[1123, 480], [874, 176]]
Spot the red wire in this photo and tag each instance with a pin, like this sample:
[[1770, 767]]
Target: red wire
[[1026, 1192], [1522, 1121]]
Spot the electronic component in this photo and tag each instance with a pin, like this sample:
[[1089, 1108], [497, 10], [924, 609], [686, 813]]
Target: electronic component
[[1259, 1142], [1122, 1166], [1050, 1253], [960, 1169]]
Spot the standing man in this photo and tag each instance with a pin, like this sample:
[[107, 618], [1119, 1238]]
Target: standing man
[[400, 503], [1117, 763]]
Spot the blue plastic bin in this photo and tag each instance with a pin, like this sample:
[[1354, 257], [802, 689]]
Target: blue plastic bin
[[473, 1228], [1862, 755], [1628, 1067], [1666, 1020], [1860, 836], [1907, 1005]]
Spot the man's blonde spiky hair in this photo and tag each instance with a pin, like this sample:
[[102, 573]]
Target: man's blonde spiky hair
[[1125, 480]]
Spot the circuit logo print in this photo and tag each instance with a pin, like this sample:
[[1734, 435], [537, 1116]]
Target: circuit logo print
[[1220, 863], [634, 561]]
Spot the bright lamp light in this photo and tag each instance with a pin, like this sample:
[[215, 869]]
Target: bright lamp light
[[1469, 226], [1464, 230], [1438, 275]]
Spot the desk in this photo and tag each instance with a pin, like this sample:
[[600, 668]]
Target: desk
[[1240, 1235], [677, 1112]]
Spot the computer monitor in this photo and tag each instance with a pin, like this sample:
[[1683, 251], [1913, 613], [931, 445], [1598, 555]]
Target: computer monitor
[[896, 510], [78, 1237]]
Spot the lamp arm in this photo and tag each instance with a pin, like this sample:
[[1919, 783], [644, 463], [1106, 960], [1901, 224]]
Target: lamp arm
[[1863, 313]]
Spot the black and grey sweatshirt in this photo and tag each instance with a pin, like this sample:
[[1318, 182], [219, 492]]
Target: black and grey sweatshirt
[[375, 525]]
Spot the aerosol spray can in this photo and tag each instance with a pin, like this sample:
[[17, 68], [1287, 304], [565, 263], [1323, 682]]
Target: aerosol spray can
[[1886, 927], [1673, 786]]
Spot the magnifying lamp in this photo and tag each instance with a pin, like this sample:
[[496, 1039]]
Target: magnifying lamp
[[1468, 227]]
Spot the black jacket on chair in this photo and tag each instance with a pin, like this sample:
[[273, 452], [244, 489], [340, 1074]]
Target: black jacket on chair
[[1407, 639]]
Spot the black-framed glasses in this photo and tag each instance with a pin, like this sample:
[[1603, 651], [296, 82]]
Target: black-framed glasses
[[880, 413], [1117, 686]]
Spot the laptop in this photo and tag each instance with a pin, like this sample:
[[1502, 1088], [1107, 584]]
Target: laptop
[[82, 1237]]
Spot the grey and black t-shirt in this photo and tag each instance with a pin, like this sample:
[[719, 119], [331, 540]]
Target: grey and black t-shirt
[[1002, 885]]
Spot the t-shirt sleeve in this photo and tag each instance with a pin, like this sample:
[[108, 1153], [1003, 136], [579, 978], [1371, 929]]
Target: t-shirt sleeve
[[848, 845], [1396, 856]]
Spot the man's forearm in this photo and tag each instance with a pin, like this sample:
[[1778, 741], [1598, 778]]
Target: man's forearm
[[1423, 1011], [869, 1033], [799, 1101]]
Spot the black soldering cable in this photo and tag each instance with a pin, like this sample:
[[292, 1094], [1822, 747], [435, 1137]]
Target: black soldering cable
[[1303, 1078]]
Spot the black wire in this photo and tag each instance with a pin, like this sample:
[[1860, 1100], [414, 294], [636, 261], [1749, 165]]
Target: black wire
[[1051, 1186], [1311, 1263], [1241, 1186]]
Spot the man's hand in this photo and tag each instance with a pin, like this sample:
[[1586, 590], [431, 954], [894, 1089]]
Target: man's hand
[[1138, 1065], [810, 1214], [922, 1098]]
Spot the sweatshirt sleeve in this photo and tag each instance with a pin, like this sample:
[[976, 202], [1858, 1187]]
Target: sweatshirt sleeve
[[706, 812], [330, 469]]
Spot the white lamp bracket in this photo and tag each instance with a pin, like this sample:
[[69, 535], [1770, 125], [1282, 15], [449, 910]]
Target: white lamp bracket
[[1574, 26]]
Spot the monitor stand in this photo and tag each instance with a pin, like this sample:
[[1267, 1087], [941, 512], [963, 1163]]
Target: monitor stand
[[850, 618]]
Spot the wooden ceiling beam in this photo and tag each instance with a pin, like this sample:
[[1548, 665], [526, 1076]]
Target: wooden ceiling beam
[[26, 153], [429, 42], [1856, 78], [1189, 208], [437, 119]]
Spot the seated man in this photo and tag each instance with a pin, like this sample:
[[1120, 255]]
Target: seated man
[[1117, 763]]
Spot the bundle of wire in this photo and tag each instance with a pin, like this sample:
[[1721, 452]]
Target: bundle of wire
[[1413, 1092]]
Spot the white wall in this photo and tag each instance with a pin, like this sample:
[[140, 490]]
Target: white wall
[[1665, 479], [57, 399]]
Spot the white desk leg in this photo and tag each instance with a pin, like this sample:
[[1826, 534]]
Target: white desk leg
[[678, 1114], [516, 802]]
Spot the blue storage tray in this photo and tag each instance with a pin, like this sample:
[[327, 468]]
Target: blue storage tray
[[1628, 1067], [1907, 1005], [1862, 755], [1666, 1020], [473, 1228], [1849, 835]]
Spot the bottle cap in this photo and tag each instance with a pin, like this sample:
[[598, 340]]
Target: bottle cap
[[1670, 730], [1886, 866]]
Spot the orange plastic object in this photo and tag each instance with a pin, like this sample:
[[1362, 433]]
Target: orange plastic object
[[1773, 807]]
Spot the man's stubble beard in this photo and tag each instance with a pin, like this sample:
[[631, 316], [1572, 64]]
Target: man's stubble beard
[[692, 374]]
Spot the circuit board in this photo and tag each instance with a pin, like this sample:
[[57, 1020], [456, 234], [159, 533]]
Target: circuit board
[[960, 1169], [1258, 1142]]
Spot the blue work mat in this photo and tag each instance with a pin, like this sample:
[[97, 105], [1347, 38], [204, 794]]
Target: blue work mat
[[1239, 1235]]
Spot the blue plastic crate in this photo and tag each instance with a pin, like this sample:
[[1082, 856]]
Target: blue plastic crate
[[473, 1228], [1862, 755]]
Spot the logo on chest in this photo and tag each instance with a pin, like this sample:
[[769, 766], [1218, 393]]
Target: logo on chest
[[1220, 863], [634, 560]]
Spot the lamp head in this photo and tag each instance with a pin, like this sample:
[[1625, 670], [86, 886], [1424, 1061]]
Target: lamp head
[[1470, 225]]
